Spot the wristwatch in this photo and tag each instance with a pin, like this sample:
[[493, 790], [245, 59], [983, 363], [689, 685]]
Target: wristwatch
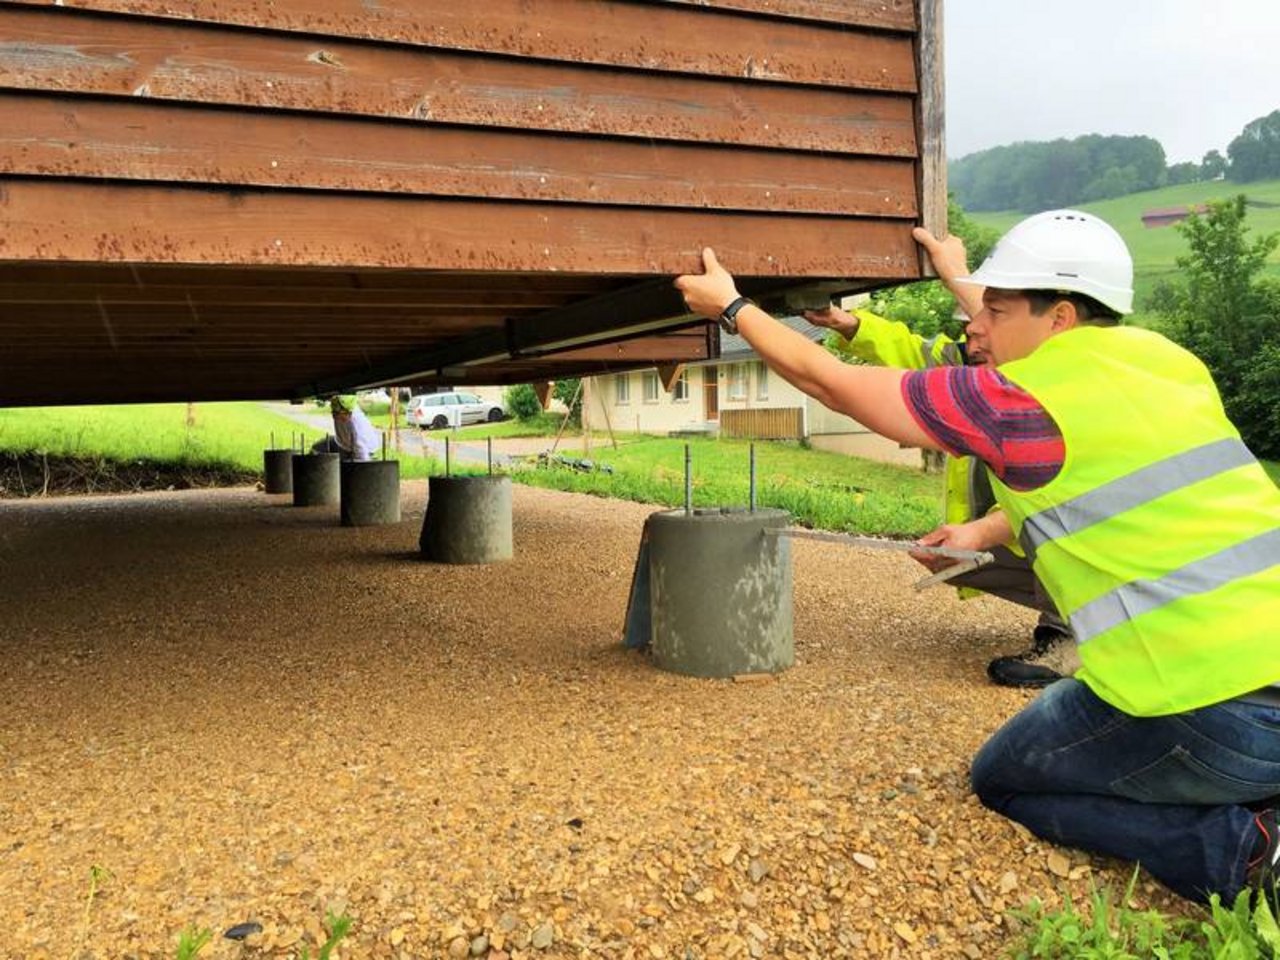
[[728, 316]]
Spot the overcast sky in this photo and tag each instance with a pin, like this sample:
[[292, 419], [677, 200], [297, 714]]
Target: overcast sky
[[1190, 73]]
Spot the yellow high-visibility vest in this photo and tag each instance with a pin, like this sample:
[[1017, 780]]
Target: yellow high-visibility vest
[[1159, 540]]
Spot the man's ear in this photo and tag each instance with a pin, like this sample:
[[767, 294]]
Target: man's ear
[[1063, 316]]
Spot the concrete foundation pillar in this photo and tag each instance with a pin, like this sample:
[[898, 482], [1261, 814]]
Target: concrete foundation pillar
[[720, 592], [468, 520], [370, 492], [277, 471], [315, 479]]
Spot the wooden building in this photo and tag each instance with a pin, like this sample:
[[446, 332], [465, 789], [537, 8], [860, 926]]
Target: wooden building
[[249, 200]]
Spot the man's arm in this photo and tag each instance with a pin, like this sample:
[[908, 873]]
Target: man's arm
[[871, 395]]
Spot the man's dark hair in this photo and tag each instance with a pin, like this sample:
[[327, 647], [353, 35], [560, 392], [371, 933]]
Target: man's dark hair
[[1089, 310]]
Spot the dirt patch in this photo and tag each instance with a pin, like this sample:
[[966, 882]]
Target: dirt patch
[[33, 475], [243, 711]]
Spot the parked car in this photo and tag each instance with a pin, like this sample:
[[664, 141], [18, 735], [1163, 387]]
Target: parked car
[[436, 411]]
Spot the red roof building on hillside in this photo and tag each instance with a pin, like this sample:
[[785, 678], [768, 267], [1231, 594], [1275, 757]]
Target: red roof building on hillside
[[1167, 216]]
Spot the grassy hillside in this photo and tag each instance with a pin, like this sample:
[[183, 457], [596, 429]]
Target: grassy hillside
[[1154, 250]]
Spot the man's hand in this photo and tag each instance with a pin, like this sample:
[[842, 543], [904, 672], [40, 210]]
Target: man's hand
[[981, 534], [708, 293], [948, 254], [833, 318]]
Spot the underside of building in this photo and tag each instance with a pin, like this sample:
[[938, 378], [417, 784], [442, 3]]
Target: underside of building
[[239, 200]]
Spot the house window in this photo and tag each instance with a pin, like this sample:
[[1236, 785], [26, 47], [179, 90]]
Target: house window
[[738, 381], [680, 393], [762, 382], [622, 388], [650, 384]]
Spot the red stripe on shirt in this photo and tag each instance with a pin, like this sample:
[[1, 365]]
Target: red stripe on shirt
[[977, 412]]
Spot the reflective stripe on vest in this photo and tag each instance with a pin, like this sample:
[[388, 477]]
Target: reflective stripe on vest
[[949, 355], [1132, 490], [1133, 599]]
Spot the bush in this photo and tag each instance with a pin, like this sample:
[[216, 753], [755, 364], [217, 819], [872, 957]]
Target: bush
[[1224, 312], [522, 402]]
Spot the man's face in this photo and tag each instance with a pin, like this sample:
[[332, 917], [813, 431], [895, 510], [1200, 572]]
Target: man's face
[[1006, 329]]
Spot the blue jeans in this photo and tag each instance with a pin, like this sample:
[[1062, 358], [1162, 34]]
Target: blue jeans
[[1168, 792]]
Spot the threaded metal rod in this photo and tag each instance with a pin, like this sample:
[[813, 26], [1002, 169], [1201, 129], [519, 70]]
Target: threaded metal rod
[[688, 481]]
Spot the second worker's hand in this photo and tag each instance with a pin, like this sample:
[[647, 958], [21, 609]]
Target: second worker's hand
[[709, 292], [833, 318]]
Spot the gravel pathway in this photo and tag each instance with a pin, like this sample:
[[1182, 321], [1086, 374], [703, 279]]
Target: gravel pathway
[[243, 711]]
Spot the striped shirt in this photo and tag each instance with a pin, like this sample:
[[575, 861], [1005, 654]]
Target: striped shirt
[[976, 412]]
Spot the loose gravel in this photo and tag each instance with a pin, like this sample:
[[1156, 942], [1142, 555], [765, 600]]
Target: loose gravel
[[239, 711]]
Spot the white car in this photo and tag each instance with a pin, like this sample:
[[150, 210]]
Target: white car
[[436, 411]]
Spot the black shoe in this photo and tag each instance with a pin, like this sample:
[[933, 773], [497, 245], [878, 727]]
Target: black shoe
[[1052, 654], [1263, 871]]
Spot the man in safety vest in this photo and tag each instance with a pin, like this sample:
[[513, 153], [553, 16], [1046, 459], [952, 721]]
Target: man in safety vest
[[354, 437], [967, 492], [1151, 525]]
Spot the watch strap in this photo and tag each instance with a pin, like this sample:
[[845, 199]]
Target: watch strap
[[728, 316]]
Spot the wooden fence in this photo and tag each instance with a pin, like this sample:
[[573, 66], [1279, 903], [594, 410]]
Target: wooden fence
[[777, 423]]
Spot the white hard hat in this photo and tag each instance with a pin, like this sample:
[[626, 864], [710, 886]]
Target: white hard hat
[[1062, 250]]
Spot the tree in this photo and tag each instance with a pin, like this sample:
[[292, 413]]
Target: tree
[[928, 308], [1042, 175], [1180, 173], [522, 402], [1223, 312], [1213, 166], [1255, 153], [569, 392]]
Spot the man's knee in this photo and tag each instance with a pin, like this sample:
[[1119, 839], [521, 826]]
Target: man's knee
[[985, 780]]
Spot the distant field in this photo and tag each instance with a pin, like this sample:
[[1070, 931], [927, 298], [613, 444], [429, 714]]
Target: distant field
[[1154, 250]]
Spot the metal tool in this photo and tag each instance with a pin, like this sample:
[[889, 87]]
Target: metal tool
[[969, 559]]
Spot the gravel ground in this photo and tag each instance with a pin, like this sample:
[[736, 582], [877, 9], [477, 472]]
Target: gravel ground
[[243, 711]]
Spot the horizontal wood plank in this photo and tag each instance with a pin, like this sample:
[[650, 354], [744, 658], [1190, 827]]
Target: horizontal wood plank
[[879, 14], [715, 40], [132, 140], [77, 221], [48, 51]]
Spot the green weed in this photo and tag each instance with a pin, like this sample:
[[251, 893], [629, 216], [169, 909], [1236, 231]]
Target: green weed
[[191, 941], [1113, 930], [338, 925], [98, 878]]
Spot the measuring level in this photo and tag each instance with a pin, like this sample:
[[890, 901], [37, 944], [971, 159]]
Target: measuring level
[[968, 559]]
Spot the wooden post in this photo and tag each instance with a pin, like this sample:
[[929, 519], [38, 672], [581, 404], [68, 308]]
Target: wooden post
[[586, 411], [395, 419], [542, 391]]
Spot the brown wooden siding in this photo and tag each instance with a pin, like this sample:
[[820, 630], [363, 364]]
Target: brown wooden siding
[[334, 191]]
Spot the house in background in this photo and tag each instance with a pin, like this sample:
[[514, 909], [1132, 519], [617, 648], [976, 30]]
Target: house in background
[[733, 396], [1168, 216]]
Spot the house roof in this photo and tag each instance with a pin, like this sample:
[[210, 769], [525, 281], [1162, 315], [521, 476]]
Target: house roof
[[735, 348]]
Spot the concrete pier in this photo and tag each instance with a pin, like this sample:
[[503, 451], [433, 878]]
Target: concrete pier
[[370, 492], [277, 471], [468, 520], [315, 479], [720, 592]]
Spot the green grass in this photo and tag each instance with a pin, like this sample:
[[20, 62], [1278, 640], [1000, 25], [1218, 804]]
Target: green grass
[[1273, 468], [1155, 249], [223, 433], [1111, 929], [825, 490], [820, 489]]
